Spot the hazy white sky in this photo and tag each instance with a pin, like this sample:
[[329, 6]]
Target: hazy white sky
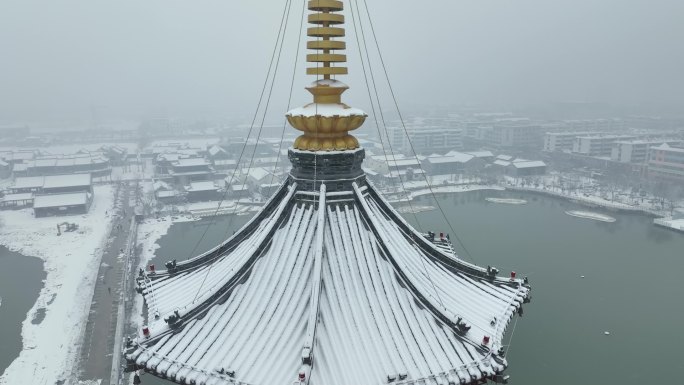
[[139, 58]]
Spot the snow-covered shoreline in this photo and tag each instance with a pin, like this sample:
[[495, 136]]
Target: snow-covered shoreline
[[394, 197], [50, 348], [590, 201]]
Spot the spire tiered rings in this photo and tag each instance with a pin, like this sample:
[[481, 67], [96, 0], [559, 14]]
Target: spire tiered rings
[[327, 121]]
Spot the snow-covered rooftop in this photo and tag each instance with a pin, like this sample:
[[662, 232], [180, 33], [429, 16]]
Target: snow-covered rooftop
[[70, 180], [258, 173], [239, 187], [202, 186], [28, 182], [190, 162], [160, 185], [451, 157], [667, 147], [166, 194], [60, 200], [225, 162], [16, 197], [480, 154], [215, 150], [529, 164]]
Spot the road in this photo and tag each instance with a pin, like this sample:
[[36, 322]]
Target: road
[[98, 343]]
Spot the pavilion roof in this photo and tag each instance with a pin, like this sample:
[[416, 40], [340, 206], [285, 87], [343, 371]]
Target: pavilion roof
[[336, 277]]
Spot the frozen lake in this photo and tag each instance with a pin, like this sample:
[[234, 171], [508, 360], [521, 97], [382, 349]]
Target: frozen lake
[[21, 279], [632, 286]]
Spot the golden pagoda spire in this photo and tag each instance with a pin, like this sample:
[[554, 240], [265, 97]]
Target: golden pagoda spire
[[327, 121]]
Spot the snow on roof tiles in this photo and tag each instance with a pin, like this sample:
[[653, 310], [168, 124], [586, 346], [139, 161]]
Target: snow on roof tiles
[[350, 283]]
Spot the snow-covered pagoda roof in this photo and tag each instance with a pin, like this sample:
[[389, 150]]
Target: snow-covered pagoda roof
[[330, 275]]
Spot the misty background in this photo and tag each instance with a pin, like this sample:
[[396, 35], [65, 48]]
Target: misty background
[[138, 59]]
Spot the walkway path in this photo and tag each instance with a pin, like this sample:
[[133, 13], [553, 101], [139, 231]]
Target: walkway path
[[98, 344]]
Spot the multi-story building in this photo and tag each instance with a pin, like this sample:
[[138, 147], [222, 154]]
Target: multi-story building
[[425, 139], [595, 125], [597, 145], [561, 141], [636, 151], [666, 162], [512, 134]]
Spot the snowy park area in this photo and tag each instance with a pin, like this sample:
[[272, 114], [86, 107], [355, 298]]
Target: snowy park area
[[72, 259]]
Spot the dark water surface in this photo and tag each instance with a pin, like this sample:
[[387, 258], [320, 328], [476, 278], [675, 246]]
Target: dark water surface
[[21, 279], [633, 285]]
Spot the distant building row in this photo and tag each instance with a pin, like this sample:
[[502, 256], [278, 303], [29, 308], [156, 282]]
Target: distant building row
[[50, 195]]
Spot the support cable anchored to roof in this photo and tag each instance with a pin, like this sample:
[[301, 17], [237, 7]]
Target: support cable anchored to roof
[[289, 98], [275, 57], [408, 137], [364, 48], [373, 102]]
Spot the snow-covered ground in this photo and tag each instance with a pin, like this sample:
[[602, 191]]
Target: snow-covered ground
[[130, 172], [676, 224], [402, 197], [589, 193], [50, 348]]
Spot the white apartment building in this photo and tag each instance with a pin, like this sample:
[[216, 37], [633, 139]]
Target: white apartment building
[[636, 151], [597, 145], [594, 125], [425, 139], [512, 135], [561, 141]]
